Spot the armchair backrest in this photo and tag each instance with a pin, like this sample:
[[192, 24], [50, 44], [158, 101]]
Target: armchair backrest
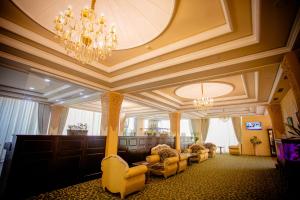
[[157, 148], [113, 168]]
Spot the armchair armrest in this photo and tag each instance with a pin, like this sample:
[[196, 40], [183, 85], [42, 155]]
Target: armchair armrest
[[183, 156], [171, 160], [134, 171], [153, 158], [188, 151]]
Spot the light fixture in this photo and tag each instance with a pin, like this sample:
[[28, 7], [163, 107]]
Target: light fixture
[[203, 102], [47, 80], [31, 88], [85, 96], [86, 38], [81, 93], [223, 117]]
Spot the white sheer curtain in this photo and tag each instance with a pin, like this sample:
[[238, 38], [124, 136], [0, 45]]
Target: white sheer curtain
[[130, 126], [93, 120], [164, 124], [221, 133], [185, 127], [16, 117]]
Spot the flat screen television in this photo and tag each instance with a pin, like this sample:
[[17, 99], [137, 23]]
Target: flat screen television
[[253, 126]]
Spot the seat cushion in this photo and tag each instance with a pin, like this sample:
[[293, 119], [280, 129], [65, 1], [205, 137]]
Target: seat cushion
[[166, 153]]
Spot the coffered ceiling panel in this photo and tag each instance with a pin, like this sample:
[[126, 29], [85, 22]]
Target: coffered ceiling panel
[[240, 43]]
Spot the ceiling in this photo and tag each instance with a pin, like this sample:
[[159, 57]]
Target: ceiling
[[237, 43], [154, 15]]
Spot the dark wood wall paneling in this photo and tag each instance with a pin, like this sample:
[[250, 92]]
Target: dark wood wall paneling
[[41, 163]]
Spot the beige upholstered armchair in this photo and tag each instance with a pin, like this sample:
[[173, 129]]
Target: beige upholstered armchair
[[235, 149], [201, 150], [212, 149], [118, 177], [167, 160]]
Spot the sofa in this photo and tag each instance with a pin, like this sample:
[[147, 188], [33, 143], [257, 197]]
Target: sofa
[[212, 149], [166, 161], [235, 149], [200, 150], [117, 177]]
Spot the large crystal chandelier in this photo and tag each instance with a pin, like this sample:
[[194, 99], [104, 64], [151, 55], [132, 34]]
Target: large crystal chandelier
[[86, 38], [203, 103]]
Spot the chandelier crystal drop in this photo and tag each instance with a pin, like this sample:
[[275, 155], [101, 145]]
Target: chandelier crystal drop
[[86, 38], [203, 103]]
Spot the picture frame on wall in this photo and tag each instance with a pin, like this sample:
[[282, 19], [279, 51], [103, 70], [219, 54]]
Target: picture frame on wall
[[290, 121]]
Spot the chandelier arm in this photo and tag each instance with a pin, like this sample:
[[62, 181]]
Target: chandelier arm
[[93, 4]]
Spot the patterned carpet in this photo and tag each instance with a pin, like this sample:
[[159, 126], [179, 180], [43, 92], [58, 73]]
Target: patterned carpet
[[223, 177]]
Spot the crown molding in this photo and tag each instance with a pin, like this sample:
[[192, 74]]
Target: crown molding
[[276, 82], [35, 67], [160, 99], [234, 61], [48, 56]]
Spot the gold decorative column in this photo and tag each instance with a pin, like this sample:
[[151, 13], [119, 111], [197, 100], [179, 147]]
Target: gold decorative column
[[58, 118], [175, 127], [111, 106], [275, 113], [291, 68], [122, 123]]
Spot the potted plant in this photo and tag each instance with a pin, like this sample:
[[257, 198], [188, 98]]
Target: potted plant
[[196, 138], [255, 141], [294, 131]]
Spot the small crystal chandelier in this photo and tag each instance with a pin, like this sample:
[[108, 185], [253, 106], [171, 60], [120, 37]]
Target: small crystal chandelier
[[203, 102], [86, 38], [224, 118]]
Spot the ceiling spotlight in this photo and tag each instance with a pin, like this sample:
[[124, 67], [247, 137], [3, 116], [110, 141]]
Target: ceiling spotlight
[[85, 96], [31, 88], [81, 93], [56, 100], [47, 80]]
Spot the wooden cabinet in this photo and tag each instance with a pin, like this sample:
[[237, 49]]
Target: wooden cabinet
[[39, 163]]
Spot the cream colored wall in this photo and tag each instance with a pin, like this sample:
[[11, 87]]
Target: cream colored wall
[[262, 149], [289, 108]]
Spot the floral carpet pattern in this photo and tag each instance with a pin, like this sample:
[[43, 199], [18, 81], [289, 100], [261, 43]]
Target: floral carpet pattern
[[222, 177]]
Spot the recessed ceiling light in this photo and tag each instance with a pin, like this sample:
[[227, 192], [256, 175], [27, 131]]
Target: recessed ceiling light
[[85, 96], [81, 93], [47, 80], [56, 100], [31, 88]]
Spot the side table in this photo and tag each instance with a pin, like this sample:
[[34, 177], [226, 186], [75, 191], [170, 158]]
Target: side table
[[220, 147]]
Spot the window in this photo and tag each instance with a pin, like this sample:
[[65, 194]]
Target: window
[[93, 120], [221, 133], [130, 125], [185, 129], [164, 124], [16, 117]]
